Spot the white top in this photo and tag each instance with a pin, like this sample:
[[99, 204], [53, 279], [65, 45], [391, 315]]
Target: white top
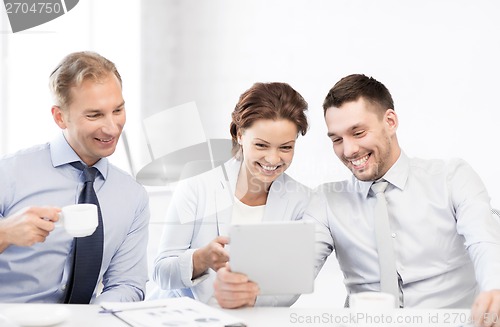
[[245, 214]]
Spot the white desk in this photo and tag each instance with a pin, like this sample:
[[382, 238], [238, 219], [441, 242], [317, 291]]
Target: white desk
[[89, 315], [81, 315], [281, 317]]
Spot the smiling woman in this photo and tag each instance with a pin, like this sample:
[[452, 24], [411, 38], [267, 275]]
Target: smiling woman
[[264, 129], [267, 149], [251, 187]]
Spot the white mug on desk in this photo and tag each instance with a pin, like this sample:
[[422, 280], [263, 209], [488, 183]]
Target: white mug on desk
[[79, 220]]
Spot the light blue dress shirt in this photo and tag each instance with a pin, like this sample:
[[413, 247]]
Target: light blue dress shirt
[[447, 243], [42, 175]]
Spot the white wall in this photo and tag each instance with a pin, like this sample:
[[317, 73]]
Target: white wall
[[438, 58], [30, 56]]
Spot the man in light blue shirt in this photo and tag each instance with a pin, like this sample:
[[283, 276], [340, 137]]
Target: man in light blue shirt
[[35, 255]]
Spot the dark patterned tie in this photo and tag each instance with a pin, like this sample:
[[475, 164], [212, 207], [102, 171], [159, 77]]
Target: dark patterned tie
[[87, 250]]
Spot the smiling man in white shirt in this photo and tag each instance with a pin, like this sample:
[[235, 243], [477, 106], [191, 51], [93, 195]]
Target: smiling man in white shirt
[[445, 240]]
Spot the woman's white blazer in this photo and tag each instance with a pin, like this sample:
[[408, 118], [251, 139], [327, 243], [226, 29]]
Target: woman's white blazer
[[201, 210]]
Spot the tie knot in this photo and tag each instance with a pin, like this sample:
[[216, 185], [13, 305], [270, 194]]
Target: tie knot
[[89, 173], [379, 187]]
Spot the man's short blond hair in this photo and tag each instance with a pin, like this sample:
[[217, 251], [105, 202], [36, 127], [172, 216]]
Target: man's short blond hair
[[76, 68]]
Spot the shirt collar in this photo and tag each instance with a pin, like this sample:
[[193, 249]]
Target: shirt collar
[[62, 154], [397, 175]]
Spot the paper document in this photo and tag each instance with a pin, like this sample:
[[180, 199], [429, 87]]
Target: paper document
[[182, 311]]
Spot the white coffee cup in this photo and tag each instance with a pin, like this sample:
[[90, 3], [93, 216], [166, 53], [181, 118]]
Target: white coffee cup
[[373, 301], [79, 220]]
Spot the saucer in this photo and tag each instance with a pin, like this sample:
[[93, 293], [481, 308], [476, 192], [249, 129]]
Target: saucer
[[37, 315]]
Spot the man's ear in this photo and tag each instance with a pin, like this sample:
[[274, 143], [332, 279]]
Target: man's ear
[[391, 119], [58, 116]]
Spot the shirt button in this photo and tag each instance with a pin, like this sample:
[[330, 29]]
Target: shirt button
[[393, 235], [63, 287]]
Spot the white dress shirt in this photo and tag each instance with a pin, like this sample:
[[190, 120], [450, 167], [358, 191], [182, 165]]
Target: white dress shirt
[[446, 242]]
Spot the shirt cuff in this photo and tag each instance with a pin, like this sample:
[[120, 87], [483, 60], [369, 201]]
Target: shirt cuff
[[186, 268]]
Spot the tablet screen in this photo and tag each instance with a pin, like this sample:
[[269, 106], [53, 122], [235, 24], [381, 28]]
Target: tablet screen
[[278, 256]]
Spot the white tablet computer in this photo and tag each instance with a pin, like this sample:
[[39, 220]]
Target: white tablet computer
[[278, 256]]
